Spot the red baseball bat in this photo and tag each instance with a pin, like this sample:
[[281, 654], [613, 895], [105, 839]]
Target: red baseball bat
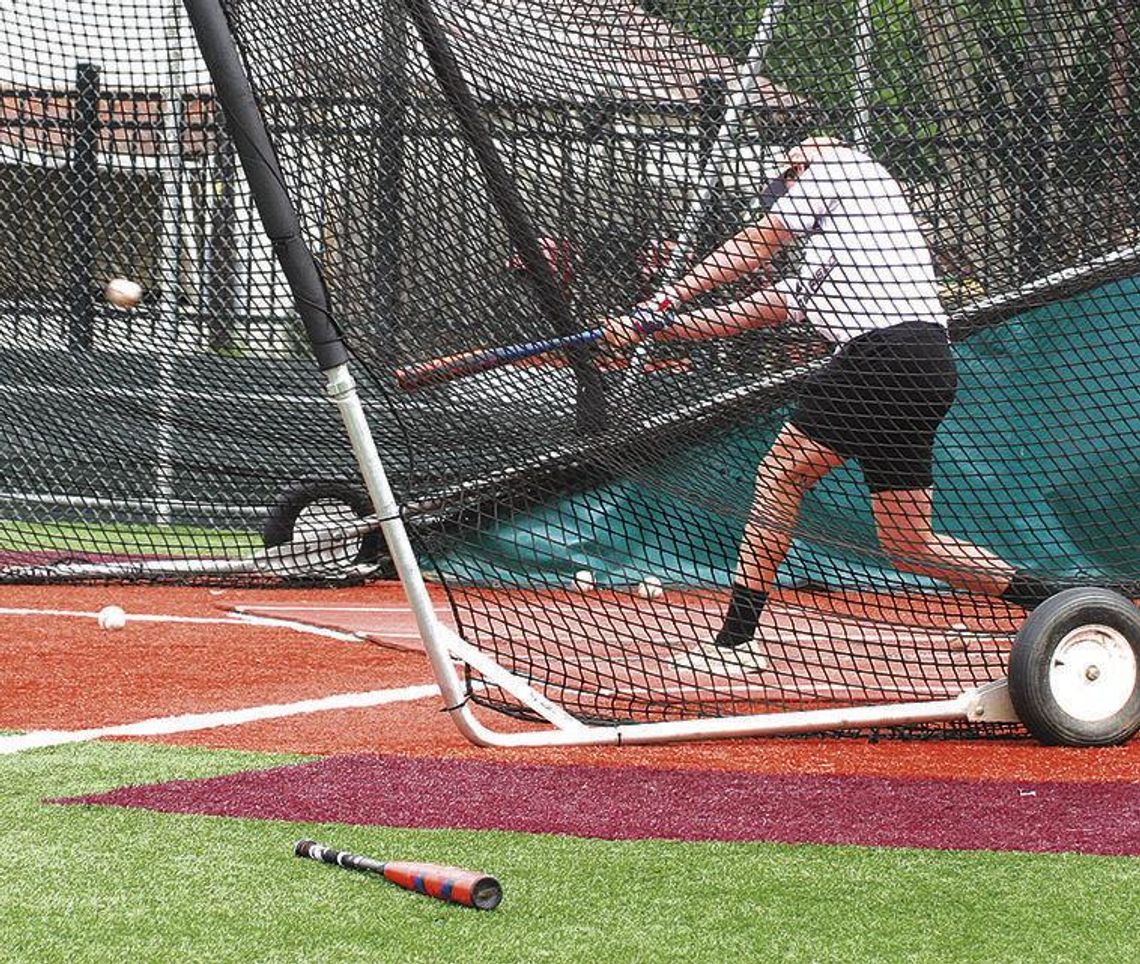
[[449, 367], [467, 887]]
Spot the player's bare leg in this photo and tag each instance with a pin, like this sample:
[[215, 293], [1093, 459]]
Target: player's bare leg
[[904, 520], [792, 466]]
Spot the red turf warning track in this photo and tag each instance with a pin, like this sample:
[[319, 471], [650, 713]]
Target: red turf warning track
[[635, 803], [63, 672]]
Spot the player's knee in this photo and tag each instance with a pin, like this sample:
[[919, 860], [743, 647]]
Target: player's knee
[[782, 475]]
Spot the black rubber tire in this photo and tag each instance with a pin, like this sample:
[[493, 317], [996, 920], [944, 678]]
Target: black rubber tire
[[1064, 621], [293, 501]]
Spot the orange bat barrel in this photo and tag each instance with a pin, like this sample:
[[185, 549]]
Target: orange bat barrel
[[454, 884], [467, 887]]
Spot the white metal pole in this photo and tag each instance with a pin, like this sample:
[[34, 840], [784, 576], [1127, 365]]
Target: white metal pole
[[748, 80], [438, 639], [975, 705], [170, 172], [861, 83]]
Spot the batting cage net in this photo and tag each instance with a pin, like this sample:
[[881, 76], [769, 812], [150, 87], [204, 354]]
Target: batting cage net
[[647, 305]]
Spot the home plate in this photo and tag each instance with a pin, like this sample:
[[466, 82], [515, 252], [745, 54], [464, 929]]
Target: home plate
[[391, 626]]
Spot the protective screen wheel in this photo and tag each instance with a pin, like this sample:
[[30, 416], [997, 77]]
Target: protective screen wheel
[[320, 505], [1074, 673]]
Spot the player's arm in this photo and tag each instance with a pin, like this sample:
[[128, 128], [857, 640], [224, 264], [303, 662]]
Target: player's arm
[[764, 308], [747, 251]]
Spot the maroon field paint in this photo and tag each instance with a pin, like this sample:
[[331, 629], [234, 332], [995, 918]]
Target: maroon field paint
[[638, 802]]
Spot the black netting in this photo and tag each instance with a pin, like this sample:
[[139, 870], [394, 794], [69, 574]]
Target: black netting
[[474, 175]]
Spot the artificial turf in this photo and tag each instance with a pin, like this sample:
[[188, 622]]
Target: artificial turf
[[125, 539], [92, 883]]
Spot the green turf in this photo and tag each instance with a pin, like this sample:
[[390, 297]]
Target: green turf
[[84, 883], [124, 539]]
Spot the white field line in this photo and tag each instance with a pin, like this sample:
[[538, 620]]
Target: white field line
[[235, 619], [131, 617], [242, 613], [385, 634], [273, 622], [316, 607], [38, 739], [348, 637]]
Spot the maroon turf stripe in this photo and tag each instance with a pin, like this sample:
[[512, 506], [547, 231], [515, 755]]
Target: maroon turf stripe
[[635, 803]]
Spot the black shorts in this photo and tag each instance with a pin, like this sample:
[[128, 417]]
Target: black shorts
[[880, 400]]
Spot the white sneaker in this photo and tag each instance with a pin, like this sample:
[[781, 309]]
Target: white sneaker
[[722, 660]]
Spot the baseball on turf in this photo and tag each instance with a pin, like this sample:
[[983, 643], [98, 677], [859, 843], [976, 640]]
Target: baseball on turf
[[650, 588], [123, 293], [583, 580], [111, 617]]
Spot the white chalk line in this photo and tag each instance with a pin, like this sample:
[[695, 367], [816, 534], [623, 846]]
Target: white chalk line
[[237, 618], [162, 725], [275, 623], [317, 607], [131, 617], [353, 636]]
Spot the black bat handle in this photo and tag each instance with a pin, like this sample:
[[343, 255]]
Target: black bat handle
[[342, 858]]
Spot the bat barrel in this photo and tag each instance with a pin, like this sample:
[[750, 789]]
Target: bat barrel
[[467, 887]]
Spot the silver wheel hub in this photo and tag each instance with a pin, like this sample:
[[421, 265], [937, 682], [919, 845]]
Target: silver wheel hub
[[1092, 674]]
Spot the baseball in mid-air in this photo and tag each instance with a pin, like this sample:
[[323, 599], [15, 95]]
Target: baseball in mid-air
[[650, 588], [123, 293], [583, 580], [111, 617]]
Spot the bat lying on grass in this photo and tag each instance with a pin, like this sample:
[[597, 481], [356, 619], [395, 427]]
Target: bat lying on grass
[[466, 887], [436, 371]]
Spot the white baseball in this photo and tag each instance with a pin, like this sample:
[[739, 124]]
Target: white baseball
[[111, 617], [650, 588], [123, 293], [583, 580]]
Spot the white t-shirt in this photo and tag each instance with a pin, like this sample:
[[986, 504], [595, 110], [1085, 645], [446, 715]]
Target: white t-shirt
[[866, 264]]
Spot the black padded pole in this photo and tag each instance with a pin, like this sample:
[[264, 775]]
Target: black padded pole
[[387, 150], [505, 197], [266, 184]]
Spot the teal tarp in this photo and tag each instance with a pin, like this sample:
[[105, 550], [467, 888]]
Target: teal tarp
[[1037, 461]]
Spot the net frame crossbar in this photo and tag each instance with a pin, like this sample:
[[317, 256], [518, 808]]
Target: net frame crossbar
[[447, 651]]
